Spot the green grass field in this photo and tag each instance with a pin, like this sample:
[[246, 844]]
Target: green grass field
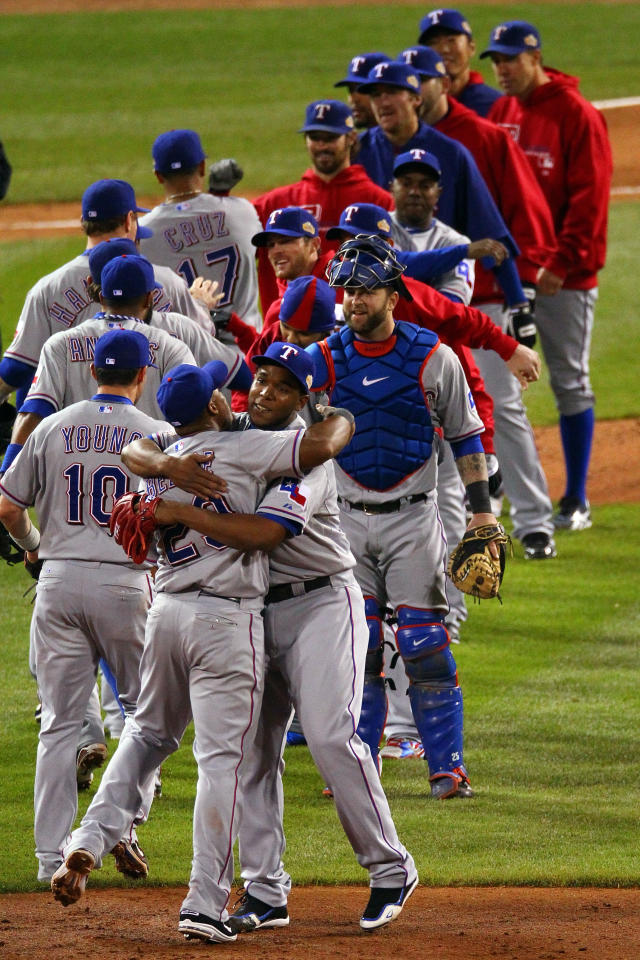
[[550, 677]]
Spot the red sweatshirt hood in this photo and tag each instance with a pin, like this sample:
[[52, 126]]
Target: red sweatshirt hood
[[560, 82]]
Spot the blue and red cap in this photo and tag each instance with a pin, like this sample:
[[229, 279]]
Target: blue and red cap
[[309, 305], [287, 222], [186, 390], [100, 255], [360, 218], [294, 359], [126, 278], [447, 20], [425, 60], [107, 199], [359, 67], [176, 151], [392, 74], [513, 37], [417, 158], [328, 116], [121, 350]]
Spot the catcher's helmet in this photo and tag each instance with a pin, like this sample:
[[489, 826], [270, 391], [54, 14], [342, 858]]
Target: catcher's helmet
[[369, 262]]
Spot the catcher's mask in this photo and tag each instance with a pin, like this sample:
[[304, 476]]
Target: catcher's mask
[[369, 262]]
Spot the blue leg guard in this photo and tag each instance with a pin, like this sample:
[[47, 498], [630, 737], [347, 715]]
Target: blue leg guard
[[436, 698], [374, 699]]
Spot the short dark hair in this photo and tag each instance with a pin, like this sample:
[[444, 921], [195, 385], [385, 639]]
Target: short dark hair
[[95, 228], [121, 306], [110, 377]]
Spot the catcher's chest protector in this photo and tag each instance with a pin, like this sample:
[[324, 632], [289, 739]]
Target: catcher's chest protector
[[394, 433]]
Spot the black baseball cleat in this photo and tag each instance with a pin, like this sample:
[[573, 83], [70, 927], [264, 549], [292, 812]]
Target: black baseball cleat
[[197, 926], [573, 514], [253, 914], [130, 859], [69, 881], [539, 546], [87, 760], [385, 904]]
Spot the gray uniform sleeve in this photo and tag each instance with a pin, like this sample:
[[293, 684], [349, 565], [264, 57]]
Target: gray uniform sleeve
[[450, 400], [50, 379]]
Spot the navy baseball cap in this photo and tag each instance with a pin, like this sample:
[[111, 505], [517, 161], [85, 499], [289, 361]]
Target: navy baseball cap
[[513, 37], [328, 116], [292, 358], [417, 158], [309, 305], [176, 151], [359, 67], [392, 74], [126, 278], [106, 199], [287, 222], [425, 60], [186, 390], [360, 218], [121, 350], [448, 20], [100, 255]]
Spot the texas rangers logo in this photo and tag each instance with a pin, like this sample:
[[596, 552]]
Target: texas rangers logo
[[356, 63], [321, 110], [288, 351], [296, 491]]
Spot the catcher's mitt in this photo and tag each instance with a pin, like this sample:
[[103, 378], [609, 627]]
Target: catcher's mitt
[[9, 551], [472, 568], [132, 523]]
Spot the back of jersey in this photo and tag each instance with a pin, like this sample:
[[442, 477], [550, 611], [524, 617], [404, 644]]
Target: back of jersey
[[70, 468], [209, 237]]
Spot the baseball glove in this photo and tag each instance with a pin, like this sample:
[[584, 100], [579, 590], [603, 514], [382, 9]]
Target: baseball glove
[[471, 567], [132, 524], [33, 568], [9, 551]]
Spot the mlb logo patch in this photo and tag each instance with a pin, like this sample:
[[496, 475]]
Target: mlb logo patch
[[105, 408]]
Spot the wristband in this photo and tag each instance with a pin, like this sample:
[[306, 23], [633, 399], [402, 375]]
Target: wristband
[[343, 412], [31, 542], [478, 496]]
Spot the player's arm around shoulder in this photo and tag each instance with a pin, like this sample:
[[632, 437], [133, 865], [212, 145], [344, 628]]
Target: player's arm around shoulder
[[324, 440], [145, 457]]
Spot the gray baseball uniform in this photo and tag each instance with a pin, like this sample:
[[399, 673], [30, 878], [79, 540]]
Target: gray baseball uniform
[[313, 594], [91, 601], [60, 300], [203, 345], [64, 370], [210, 237], [460, 280], [203, 657]]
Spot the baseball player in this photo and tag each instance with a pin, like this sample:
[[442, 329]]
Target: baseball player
[[524, 208], [63, 374], [5, 172], [312, 591], [203, 345], [465, 202], [449, 33], [204, 646], [565, 139], [328, 186], [360, 103], [60, 300], [401, 383], [198, 234], [70, 469]]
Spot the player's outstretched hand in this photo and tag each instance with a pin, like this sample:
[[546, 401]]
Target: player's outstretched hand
[[189, 473], [525, 365], [207, 292], [487, 248]]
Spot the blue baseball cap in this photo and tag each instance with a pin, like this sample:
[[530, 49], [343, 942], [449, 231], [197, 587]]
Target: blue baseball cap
[[359, 218], [360, 66], [417, 158], [186, 390], [392, 74], [287, 222], [121, 350], [127, 277], [106, 199], [103, 252], [328, 116], [451, 21], [309, 305], [513, 37], [176, 151], [294, 359], [425, 60]]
